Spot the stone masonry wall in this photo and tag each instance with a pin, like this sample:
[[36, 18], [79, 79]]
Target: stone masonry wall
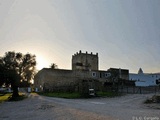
[[50, 79], [67, 80], [85, 61]]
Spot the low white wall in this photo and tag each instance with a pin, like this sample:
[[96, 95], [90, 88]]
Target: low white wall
[[144, 79]]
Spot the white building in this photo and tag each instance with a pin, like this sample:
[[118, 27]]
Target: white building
[[142, 79]]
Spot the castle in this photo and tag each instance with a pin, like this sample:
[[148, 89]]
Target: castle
[[84, 70]]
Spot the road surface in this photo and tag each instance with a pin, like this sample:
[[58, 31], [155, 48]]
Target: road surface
[[35, 107]]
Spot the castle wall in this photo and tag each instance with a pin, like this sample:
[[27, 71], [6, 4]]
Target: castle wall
[[68, 80], [50, 79]]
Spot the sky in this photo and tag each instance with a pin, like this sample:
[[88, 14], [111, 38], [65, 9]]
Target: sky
[[124, 33]]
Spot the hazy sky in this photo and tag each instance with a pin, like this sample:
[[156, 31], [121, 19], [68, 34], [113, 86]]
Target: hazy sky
[[125, 33]]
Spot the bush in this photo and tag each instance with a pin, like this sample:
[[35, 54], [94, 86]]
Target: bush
[[153, 99]]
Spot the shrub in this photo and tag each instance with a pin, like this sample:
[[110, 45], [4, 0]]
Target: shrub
[[153, 99]]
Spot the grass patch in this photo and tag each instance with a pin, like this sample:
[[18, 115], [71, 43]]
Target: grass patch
[[4, 97], [107, 94], [8, 97], [75, 95], [61, 95]]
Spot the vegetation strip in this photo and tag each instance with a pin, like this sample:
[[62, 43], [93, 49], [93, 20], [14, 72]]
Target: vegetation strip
[[75, 95], [61, 95]]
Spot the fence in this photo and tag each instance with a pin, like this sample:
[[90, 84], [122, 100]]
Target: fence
[[134, 89]]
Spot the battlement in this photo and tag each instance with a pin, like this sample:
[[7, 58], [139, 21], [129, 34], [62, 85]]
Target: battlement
[[80, 52]]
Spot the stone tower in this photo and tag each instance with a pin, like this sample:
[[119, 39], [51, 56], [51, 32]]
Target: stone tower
[[84, 61]]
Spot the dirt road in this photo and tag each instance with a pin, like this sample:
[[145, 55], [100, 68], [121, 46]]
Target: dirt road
[[35, 107]]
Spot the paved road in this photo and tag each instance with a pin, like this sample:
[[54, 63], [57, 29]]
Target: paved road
[[129, 107]]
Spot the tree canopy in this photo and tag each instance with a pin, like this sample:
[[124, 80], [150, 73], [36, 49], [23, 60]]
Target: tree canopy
[[54, 66], [16, 68]]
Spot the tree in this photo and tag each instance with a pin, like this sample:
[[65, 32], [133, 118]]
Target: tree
[[54, 66], [2, 78], [27, 67], [16, 67]]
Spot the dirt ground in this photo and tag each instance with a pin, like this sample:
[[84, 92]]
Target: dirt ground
[[37, 107]]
